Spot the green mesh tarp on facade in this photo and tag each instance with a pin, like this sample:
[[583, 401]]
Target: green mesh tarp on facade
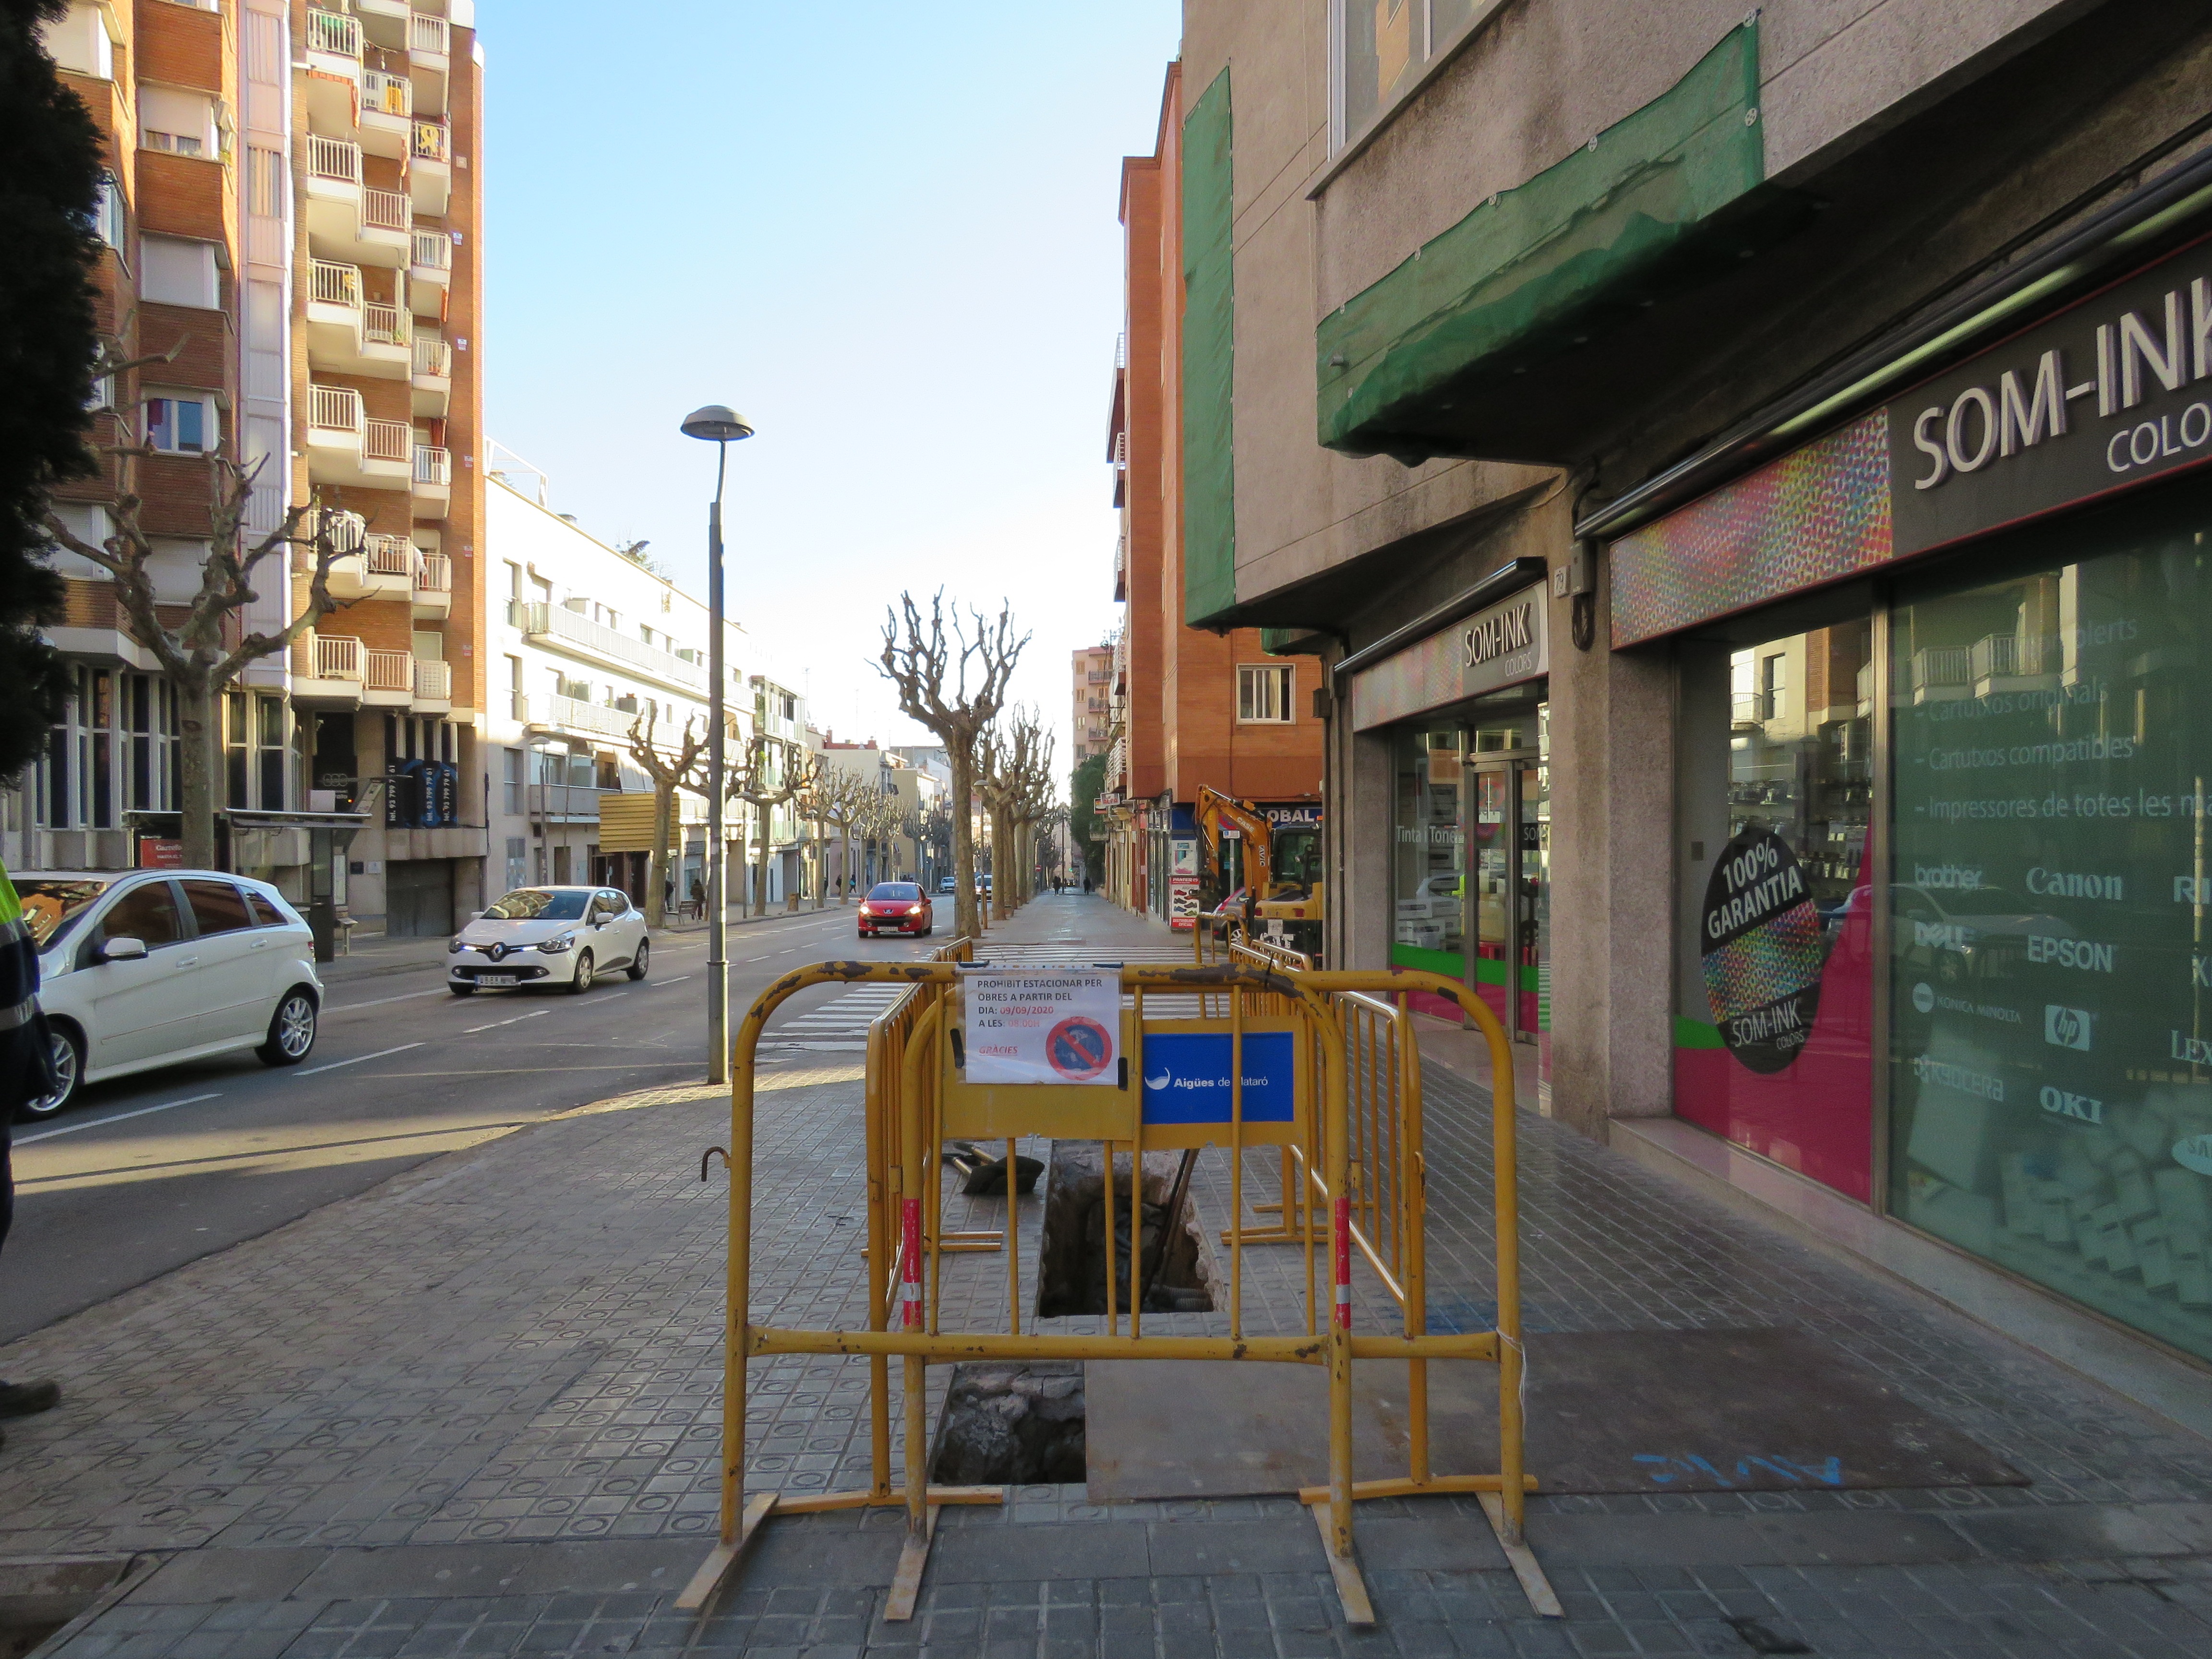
[[1530, 260], [1209, 357]]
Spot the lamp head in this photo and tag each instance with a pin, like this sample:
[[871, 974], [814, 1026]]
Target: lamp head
[[716, 423]]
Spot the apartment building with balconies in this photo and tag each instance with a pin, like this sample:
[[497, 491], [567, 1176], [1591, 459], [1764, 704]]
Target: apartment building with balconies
[[385, 420], [162, 82], [587, 645], [1091, 718], [289, 219]]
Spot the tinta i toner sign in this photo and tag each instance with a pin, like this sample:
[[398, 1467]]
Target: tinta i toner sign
[[2113, 392]]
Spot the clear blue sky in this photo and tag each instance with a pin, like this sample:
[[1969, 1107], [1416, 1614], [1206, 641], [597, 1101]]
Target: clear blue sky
[[883, 233]]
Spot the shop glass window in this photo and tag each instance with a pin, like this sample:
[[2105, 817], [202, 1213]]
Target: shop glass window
[[2050, 974], [1774, 1017], [1429, 853]]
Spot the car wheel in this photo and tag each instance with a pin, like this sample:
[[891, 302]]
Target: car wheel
[[642, 960], [582, 981], [291, 1030], [462, 987], [68, 1074]]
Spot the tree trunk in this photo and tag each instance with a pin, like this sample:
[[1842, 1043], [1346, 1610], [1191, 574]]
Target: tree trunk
[[197, 724], [821, 859], [760, 861], [656, 869], [970, 925]]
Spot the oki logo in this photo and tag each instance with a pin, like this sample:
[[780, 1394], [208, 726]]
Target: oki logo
[[2082, 1108]]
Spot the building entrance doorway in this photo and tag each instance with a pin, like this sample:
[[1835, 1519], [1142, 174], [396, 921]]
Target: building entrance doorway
[[1509, 889]]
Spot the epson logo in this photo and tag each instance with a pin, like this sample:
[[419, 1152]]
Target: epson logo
[[2066, 1028], [2072, 884], [2080, 954], [1947, 877], [1940, 935], [2082, 1108]]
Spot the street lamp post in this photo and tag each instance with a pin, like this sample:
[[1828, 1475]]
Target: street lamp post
[[720, 427]]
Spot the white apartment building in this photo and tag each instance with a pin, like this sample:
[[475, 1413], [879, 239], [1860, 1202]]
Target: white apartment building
[[583, 642]]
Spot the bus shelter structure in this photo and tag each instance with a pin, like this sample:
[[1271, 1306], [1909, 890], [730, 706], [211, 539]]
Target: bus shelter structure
[[1322, 1067]]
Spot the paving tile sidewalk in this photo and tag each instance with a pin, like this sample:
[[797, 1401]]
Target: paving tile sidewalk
[[476, 1411]]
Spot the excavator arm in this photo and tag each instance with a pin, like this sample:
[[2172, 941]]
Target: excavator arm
[[1214, 809]]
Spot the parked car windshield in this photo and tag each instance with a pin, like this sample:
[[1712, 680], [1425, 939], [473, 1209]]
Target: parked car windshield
[[895, 889], [536, 904], [52, 908]]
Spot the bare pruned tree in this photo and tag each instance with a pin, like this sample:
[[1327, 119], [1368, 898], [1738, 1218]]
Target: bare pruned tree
[[1036, 803], [843, 795], [202, 653], [672, 764], [773, 771], [955, 687]]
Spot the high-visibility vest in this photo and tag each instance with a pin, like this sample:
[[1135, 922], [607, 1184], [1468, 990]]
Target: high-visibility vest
[[18, 960]]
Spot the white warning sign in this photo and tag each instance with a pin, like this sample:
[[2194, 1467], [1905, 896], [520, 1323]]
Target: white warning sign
[[1051, 1025]]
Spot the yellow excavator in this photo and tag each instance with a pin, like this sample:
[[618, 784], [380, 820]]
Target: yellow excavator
[[1281, 880]]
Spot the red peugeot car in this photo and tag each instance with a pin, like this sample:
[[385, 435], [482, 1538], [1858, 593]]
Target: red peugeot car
[[895, 907]]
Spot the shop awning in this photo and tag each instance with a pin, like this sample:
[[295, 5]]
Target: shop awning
[[1446, 355]]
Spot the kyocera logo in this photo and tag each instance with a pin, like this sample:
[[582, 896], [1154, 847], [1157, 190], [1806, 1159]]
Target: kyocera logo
[[2082, 1108]]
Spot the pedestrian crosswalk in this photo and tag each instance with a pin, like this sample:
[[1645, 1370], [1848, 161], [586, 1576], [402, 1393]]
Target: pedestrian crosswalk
[[838, 1026]]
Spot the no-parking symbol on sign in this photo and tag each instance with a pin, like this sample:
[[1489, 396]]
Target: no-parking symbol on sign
[[1043, 1025]]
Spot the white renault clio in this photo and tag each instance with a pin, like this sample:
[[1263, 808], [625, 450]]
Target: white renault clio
[[563, 936], [145, 968]]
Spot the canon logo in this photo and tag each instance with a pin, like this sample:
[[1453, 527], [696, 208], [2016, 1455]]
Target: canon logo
[[2070, 884]]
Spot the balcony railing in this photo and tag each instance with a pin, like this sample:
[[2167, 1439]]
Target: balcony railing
[[334, 285], [334, 408], [333, 158], [389, 556], [564, 801], [433, 681], [333, 32], [389, 670], [430, 34], [387, 93], [386, 210], [386, 441], [433, 250], [563, 623], [434, 574], [384, 324], [573, 715], [433, 466], [430, 141], [334, 658], [348, 532], [434, 356]]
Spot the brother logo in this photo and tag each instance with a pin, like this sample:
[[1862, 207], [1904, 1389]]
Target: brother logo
[[1946, 877], [2071, 884], [2066, 1028]]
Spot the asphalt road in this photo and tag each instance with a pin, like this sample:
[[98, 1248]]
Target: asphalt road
[[142, 1175]]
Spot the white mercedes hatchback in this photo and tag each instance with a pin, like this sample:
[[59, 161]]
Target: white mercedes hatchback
[[563, 936], [139, 969]]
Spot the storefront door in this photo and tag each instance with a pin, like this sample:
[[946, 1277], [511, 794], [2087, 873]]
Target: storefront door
[[1511, 814]]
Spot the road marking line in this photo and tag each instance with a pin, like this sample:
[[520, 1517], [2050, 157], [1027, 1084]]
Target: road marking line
[[678, 980], [409, 996], [496, 1023], [95, 1122], [358, 1060]]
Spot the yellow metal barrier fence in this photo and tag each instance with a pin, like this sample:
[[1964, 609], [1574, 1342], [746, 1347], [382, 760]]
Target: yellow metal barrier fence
[[1355, 1148]]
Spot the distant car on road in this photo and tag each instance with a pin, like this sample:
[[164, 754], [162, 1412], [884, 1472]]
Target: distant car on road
[[145, 968], [897, 907], [563, 936], [947, 884]]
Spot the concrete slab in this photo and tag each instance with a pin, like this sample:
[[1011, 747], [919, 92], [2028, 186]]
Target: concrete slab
[[1019, 1554], [1851, 1538], [194, 1576]]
